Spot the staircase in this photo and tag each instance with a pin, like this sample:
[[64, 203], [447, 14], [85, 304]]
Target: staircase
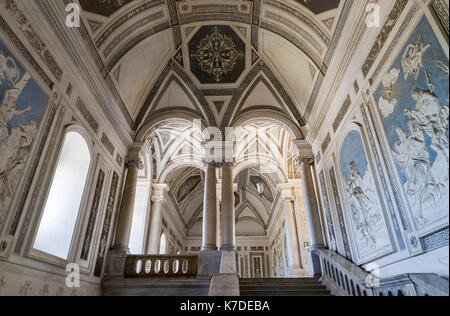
[[282, 287]]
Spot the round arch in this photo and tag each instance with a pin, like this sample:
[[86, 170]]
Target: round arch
[[267, 115], [245, 164], [146, 130], [178, 164]]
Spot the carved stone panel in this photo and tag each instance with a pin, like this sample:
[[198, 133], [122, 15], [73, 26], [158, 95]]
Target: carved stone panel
[[413, 105], [93, 216], [106, 225]]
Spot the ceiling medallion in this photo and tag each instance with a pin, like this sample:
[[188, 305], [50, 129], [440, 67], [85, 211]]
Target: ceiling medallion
[[217, 55]]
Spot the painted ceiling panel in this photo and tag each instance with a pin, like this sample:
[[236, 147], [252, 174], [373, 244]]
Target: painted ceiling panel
[[103, 7], [319, 6]]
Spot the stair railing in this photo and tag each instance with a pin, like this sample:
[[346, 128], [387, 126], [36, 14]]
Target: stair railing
[[141, 266], [344, 278]]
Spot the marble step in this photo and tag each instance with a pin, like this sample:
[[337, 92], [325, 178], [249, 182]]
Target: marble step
[[286, 293]]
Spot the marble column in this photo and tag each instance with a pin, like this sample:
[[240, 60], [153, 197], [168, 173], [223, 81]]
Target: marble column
[[127, 204], [116, 257], [293, 246], [209, 236], [158, 201], [305, 161], [228, 223]]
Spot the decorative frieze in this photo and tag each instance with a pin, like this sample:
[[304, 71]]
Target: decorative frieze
[[93, 216], [109, 146], [342, 112], [326, 142], [87, 115], [381, 39], [34, 40], [327, 208], [340, 213], [442, 13], [25, 53], [435, 240], [106, 225]]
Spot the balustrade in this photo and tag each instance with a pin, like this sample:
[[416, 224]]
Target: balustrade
[[161, 266], [344, 278]]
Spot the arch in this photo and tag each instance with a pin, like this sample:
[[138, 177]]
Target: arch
[[242, 207], [146, 130], [247, 163], [267, 115], [178, 164]]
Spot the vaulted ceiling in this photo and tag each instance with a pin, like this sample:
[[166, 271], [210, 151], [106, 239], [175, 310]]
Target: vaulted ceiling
[[262, 154], [213, 59]]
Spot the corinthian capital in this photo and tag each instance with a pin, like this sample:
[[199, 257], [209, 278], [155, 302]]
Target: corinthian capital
[[134, 163], [305, 153]]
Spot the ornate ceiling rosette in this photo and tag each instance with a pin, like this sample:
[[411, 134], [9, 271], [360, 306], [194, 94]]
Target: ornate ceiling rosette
[[217, 55]]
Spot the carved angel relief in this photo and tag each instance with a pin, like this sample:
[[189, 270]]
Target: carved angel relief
[[14, 142]]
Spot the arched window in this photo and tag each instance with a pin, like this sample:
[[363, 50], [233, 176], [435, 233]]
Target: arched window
[[162, 244], [63, 203]]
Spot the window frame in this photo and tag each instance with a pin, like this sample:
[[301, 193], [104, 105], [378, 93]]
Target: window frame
[[85, 198]]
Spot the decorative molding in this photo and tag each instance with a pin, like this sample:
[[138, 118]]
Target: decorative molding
[[390, 173], [326, 142], [337, 200], [327, 208], [119, 160], [109, 146], [406, 22], [119, 38], [435, 240], [441, 11], [46, 162], [103, 243], [25, 53], [383, 179], [382, 37], [342, 112], [87, 115], [33, 39], [92, 216], [126, 17]]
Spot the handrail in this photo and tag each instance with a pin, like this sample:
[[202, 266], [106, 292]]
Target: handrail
[[344, 278], [139, 266]]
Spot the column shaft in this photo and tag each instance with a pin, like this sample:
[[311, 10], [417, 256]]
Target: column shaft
[[126, 208], [311, 207], [155, 227], [227, 212], [209, 238], [294, 260]]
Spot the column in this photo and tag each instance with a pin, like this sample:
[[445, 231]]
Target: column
[[305, 162], [293, 246], [116, 257], [228, 222], [209, 237], [158, 201], [133, 164]]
